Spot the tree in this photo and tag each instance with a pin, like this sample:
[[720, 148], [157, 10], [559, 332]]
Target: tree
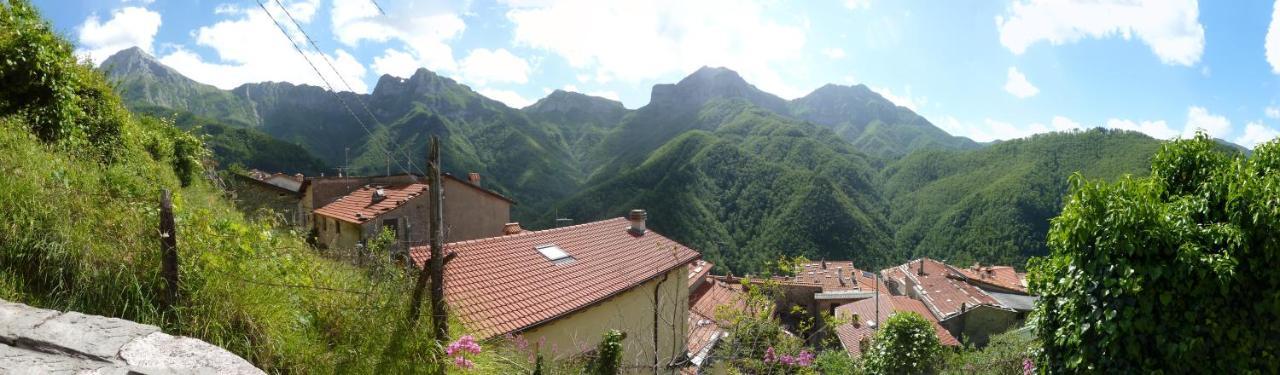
[[907, 344], [1171, 273]]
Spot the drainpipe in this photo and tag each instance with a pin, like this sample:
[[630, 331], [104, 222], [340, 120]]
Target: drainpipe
[[656, 288]]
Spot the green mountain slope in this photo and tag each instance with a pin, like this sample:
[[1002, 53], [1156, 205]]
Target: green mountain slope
[[241, 146], [994, 205], [142, 80], [872, 123]]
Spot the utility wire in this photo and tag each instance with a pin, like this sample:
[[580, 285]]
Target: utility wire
[[375, 5], [326, 81]]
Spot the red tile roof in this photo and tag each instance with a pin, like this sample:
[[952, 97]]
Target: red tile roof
[[829, 277], [359, 207], [698, 270], [851, 334], [703, 303], [503, 284], [1002, 277], [941, 288]]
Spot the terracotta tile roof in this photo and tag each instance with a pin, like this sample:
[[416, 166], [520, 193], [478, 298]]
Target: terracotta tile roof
[[941, 288], [1002, 277], [359, 207], [704, 329], [698, 270], [504, 284], [829, 277], [851, 334]]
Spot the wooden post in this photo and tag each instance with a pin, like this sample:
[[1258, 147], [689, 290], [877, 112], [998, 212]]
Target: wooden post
[[168, 251], [434, 269]]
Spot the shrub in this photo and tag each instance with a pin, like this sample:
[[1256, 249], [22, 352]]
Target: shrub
[[1172, 273], [906, 344], [608, 360]]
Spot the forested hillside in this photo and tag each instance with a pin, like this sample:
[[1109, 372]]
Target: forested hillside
[[722, 166], [994, 204]]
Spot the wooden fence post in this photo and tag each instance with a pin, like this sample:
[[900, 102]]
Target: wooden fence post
[[168, 251]]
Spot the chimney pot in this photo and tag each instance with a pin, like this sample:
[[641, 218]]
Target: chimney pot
[[512, 228], [474, 178], [637, 218]]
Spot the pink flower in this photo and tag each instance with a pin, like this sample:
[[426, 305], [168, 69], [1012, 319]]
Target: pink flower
[[1028, 367], [769, 355]]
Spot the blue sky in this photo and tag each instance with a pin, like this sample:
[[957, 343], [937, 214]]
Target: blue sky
[[986, 70]]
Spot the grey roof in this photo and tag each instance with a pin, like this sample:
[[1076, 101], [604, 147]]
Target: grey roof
[[1018, 302]]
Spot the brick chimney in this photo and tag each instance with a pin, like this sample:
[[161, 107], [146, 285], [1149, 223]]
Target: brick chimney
[[474, 178], [637, 218], [512, 228]]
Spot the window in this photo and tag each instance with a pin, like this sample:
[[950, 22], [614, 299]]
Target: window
[[337, 226], [393, 225], [554, 253]]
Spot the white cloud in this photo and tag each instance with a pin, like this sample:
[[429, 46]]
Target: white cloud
[[635, 41], [1272, 43], [423, 30], [992, 129], [1156, 129], [1019, 86], [833, 53], [483, 66], [906, 100], [1255, 133], [1060, 123], [1272, 112], [250, 48], [1171, 28], [857, 4], [508, 97], [128, 27], [1199, 118]]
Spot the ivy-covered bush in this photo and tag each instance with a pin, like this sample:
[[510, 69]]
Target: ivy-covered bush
[[907, 344], [1176, 273]]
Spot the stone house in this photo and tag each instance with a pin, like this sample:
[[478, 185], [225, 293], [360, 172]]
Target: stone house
[[399, 203], [565, 287], [271, 192]]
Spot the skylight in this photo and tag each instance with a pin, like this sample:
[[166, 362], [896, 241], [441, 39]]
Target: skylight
[[553, 252]]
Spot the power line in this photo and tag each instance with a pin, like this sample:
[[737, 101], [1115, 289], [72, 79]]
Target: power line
[[326, 81], [375, 5], [316, 47]]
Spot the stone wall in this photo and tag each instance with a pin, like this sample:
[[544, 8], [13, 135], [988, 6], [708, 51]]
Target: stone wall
[[40, 341]]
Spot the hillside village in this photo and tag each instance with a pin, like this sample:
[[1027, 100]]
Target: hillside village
[[567, 286]]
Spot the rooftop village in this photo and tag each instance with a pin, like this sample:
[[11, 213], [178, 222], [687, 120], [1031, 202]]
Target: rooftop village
[[564, 287]]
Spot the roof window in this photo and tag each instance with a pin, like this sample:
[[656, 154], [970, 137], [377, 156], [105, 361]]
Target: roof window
[[554, 253]]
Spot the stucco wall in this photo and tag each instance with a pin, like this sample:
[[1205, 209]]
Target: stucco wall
[[976, 325], [471, 214], [631, 312], [335, 234]]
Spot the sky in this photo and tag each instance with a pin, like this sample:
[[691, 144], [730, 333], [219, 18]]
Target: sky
[[987, 70]]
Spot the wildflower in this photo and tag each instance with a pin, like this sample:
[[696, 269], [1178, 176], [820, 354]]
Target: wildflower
[[769, 355], [1028, 367], [459, 350]]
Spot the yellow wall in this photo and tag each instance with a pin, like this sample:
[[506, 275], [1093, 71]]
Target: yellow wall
[[631, 312], [329, 235], [472, 214]]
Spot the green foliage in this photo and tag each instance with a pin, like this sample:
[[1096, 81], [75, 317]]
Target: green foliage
[[1171, 273], [80, 230], [993, 205], [906, 344], [836, 362], [608, 358], [1006, 354], [240, 146]]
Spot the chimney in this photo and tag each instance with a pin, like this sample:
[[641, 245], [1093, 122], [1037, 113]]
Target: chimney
[[379, 195], [840, 275], [921, 272], [474, 178], [637, 217], [824, 263], [512, 228]]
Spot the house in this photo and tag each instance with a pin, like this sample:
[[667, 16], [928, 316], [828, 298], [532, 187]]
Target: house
[[257, 190], [971, 304], [705, 329], [351, 213], [566, 287], [866, 316]]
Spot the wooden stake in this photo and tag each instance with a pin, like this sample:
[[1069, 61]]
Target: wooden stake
[[168, 251]]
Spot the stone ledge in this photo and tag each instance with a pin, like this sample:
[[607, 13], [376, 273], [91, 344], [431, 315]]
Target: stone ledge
[[34, 340]]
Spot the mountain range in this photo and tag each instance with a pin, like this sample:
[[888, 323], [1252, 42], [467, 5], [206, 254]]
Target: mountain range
[[741, 174]]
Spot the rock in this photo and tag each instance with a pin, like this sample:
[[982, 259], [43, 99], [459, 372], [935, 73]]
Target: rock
[[39, 341]]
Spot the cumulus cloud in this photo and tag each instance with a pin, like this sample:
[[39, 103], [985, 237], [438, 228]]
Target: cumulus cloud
[[1156, 129], [833, 53], [1019, 86], [127, 27], [1272, 112], [1171, 28], [250, 48], [1199, 118], [423, 31], [644, 40], [508, 97], [483, 66], [991, 129], [1256, 133], [1272, 43]]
